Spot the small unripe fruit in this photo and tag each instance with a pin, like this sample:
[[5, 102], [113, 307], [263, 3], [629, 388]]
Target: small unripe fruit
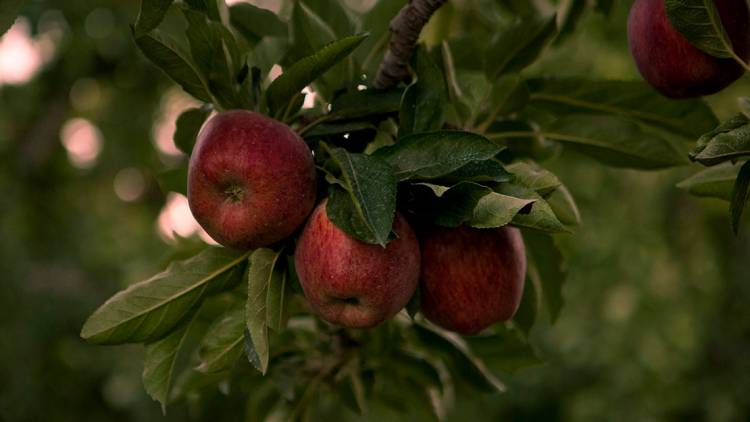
[[251, 180], [471, 278], [672, 65], [351, 283]]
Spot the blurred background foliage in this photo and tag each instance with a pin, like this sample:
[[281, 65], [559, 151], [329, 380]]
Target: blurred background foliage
[[655, 324]]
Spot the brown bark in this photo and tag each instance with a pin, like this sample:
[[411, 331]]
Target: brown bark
[[405, 29]]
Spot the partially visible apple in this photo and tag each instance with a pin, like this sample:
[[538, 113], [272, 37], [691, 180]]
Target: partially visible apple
[[351, 283], [672, 65], [251, 180], [471, 278]]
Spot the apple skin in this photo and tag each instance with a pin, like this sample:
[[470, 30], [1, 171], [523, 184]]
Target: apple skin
[[351, 283], [672, 65], [471, 278], [251, 180]]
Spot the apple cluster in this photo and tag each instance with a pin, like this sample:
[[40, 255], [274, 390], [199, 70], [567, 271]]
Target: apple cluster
[[252, 183]]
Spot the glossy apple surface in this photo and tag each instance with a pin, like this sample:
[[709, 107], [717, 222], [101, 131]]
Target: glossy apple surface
[[251, 180], [471, 278], [351, 283], [672, 65]]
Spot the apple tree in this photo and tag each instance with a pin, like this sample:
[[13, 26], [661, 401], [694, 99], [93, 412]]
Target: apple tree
[[428, 150]]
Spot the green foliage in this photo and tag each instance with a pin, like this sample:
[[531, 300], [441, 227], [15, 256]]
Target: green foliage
[[461, 145], [362, 195], [713, 182], [165, 53], [267, 297], [430, 155], [615, 141], [729, 141], [151, 15], [187, 127], [223, 343], [700, 23], [255, 23], [631, 99], [423, 102], [149, 310], [471, 204], [307, 70], [518, 45], [159, 362]]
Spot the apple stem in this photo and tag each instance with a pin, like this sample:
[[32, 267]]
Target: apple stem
[[405, 29]]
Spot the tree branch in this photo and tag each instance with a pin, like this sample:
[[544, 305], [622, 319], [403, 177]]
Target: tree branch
[[405, 29]]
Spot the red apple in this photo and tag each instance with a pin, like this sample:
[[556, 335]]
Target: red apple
[[471, 278], [251, 180], [672, 65], [351, 283]]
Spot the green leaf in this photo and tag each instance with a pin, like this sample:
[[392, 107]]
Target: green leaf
[[534, 177], [729, 141], [165, 53], [564, 206], [540, 216], [215, 53], [149, 310], [309, 31], [423, 102], [700, 23], [632, 99], [351, 387], [506, 95], [549, 269], [491, 170], [462, 363], [411, 365], [173, 180], [714, 182], [187, 127], [9, 10], [268, 52], [261, 277], [614, 141], [518, 44], [367, 103], [376, 21], [305, 71], [255, 23], [329, 129], [425, 156], [159, 362], [216, 10], [503, 352], [740, 195], [223, 343], [472, 204], [335, 14], [278, 295], [362, 199], [151, 14], [569, 15]]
